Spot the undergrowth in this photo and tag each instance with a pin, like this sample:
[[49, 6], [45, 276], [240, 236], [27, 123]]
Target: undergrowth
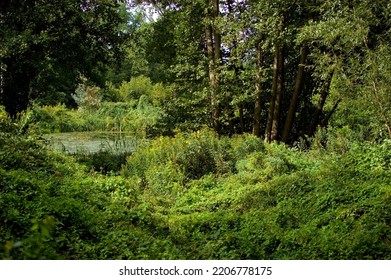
[[196, 196]]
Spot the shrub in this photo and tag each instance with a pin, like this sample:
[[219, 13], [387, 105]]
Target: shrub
[[104, 161], [6, 125], [135, 117], [87, 97], [290, 205], [142, 86], [195, 154], [57, 118]]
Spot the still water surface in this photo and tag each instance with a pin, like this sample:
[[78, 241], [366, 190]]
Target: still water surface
[[91, 142]]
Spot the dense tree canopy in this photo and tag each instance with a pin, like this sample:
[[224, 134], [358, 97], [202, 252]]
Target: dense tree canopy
[[47, 45], [270, 68]]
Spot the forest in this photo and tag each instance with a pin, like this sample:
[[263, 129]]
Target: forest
[[204, 129]]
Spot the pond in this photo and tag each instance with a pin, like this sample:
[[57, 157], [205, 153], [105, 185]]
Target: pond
[[92, 142]]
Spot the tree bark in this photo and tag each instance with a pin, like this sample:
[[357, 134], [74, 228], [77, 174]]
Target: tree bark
[[296, 92], [2, 69], [326, 120], [213, 46], [241, 118], [273, 119], [231, 125], [217, 34], [272, 98], [279, 93], [316, 118], [258, 94]]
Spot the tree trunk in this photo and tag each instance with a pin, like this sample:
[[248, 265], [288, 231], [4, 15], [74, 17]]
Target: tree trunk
[[231, 125], [296, 92], [213, 82], [316, 118], [15, 87], [2, 69], [277, 88], [279, 93], [213, 46], [217, 35], [258, 92], [241, 118], [326, 120], [272, 98]]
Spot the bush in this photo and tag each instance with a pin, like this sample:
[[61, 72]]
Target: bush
[[104, 161], [285, 204], [195, 154], [57, 118], [135, 117], [51, 208], [87, 97], [142, 86]]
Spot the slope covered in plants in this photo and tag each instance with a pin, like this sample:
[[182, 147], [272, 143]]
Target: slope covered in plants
[[197, 196]]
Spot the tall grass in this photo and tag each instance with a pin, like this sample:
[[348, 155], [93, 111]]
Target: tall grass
[[132, 118]]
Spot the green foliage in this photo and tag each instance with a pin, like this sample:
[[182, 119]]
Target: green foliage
[[45, 47], [51, 208], [367, 83], [56, 119], [104, 161], [139, 109], [194, 194], [197, 196], [142, 86], [195, 154], [87, 98], [290, 205], [6, 124], [133, 117]]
